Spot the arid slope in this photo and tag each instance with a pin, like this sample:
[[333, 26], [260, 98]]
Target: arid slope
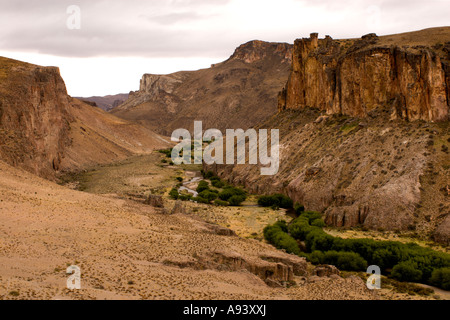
[[127, 251]]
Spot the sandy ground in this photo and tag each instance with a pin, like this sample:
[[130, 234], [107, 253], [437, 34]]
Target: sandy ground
[[123, 249]]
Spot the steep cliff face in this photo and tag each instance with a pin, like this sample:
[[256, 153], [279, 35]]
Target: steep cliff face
[[355, 77], [237, 93], [43, 130], [34, 122]]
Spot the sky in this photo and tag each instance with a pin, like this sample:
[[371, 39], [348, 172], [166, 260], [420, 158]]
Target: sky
[[105, 46]]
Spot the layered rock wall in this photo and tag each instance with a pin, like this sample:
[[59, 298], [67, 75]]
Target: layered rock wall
[[354, 80]]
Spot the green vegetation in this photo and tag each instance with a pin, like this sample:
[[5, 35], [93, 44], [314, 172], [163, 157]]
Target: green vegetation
[[221, 203], [277, 235], [174, 194], [208, 195], [403, 262], [202, 186], [441, 277], [275, 201]]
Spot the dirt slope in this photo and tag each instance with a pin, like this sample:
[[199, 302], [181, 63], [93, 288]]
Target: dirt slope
[[127, 251]]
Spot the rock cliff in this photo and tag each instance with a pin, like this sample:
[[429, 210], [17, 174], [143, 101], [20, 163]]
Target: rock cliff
[[355, 77]]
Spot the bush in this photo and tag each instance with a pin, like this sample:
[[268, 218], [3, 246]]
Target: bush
[[441, 278], [174, 194], [275, 201], [221, 203], [209, 175], [236, 200], [299, 208], [185, 197], [200, 200], [202, 185], [348, 261], [406, 271], [276, 235], [180, 179], [230, 191], [208, 194], [217, 183]]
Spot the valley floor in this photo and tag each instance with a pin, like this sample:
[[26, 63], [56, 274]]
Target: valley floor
[[126, 250]]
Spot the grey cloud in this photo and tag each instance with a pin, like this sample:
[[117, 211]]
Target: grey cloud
[[167, 28]]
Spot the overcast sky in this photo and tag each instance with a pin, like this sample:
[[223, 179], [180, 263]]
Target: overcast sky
[[118, 41]]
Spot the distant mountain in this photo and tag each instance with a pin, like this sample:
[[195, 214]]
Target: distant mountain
[[237, 93], [107, 102]]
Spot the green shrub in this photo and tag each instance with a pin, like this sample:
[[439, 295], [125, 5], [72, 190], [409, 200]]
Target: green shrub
[[185, 197], [275, 201], [208, 194], [217, 183], [441, 278], [174, 194], [209, 175], [409, 262], [202, 185], [180, 179], [200, 200], [299, 208], [221, 203], [230, 191], [276, 234], [236, 200], [406, 271]]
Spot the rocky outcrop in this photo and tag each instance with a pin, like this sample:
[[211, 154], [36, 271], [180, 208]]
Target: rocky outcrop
[[326, 271], [257, 50], [274, 270], [34, 120], [360, 76]]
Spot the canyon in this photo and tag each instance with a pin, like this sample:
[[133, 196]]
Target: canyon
[[364, 139]]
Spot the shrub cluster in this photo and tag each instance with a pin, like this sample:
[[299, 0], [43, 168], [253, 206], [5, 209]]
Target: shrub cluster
[[277, 235], [235, 196], [408, 262], [174, 194], [275, 201]]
